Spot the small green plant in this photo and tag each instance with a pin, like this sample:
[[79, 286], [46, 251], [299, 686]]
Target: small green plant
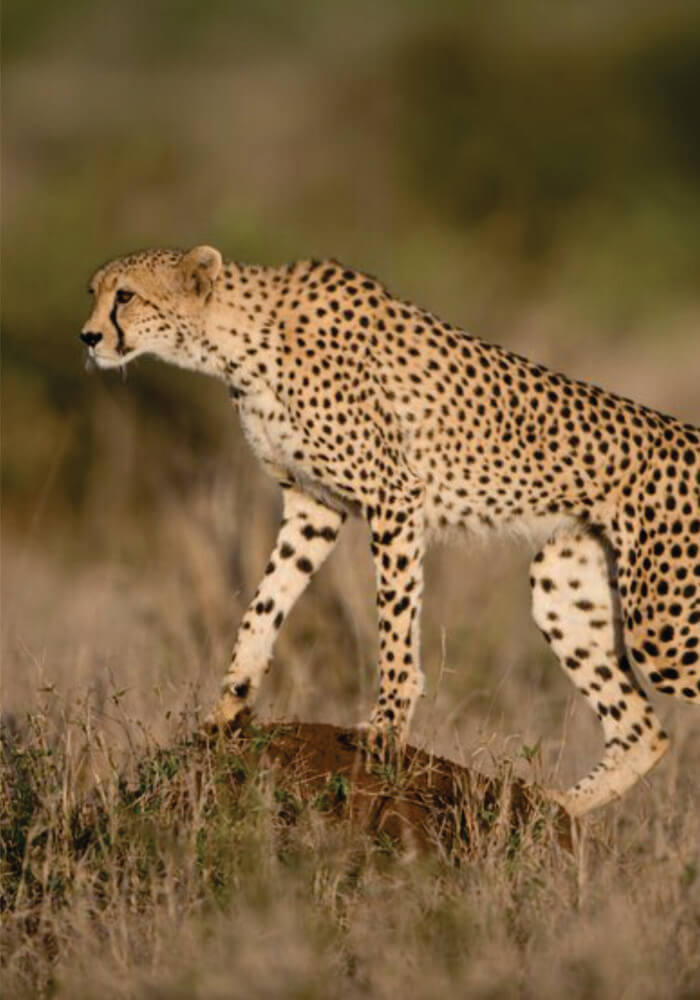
[[333, 795], [385, 844], [290, 806], [529, 753], [260, 738]]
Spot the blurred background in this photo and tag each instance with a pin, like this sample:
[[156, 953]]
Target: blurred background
[[530, 172]]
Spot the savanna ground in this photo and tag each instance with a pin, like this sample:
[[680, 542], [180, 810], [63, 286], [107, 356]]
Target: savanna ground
[[533, 178]]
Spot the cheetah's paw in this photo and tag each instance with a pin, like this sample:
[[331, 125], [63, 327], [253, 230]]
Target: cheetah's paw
[[381, 747], [229, 715]]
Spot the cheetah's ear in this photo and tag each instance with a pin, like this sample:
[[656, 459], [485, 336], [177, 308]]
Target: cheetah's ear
[[200, 267]]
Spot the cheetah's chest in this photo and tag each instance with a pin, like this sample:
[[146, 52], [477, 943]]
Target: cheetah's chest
[[268, 429], [285, 450]]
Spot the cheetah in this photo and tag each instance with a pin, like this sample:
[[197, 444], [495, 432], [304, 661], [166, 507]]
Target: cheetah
[[359, 403]]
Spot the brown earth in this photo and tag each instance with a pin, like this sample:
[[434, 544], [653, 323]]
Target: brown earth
[[428, 804]]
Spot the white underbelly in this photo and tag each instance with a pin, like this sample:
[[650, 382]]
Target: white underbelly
[[446, 514]]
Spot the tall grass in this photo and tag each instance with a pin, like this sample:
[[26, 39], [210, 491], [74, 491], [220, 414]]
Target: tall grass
[[173, 878]]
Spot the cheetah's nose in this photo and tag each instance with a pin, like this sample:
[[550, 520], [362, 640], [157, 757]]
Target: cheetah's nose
[[91, 338]]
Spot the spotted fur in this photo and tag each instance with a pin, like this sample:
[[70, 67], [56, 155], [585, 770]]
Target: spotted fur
[[357, 402]]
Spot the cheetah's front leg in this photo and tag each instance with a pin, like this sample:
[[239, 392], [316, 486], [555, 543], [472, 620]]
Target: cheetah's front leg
[[307, 534], [397, 534]]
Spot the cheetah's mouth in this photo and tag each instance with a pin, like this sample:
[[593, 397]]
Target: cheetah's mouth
[[100, 359]]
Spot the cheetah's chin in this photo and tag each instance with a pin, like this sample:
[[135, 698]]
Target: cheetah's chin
[[107, 362]]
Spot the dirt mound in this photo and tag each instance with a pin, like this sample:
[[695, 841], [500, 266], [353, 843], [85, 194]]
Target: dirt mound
[[427, 804], [219, 796]]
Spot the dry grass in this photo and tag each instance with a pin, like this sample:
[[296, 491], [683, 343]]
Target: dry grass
[[183, 881], [113, 640]]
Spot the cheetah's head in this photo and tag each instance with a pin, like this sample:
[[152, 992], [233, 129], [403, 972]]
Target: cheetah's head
[[151, 302]]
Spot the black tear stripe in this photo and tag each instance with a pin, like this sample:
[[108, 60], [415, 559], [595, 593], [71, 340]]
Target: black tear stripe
[[121, 347]]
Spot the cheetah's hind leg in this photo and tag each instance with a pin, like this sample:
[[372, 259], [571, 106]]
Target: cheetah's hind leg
[[575, 604]]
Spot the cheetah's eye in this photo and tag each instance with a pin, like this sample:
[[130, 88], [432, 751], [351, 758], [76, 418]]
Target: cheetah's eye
[[123, 296]]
